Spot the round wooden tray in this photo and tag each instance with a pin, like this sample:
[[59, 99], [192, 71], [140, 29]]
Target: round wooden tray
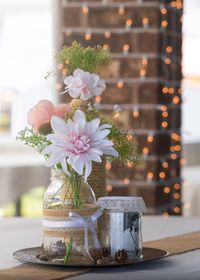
[[29, 256]]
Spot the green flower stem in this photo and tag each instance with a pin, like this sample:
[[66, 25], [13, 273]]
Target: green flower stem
[[76, 185], [68, 250]]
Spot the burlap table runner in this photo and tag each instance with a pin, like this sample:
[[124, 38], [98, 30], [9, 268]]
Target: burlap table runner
[[174, 245]]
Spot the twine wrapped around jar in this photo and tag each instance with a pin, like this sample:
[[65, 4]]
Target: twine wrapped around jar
[[62, 215], [97, 179]]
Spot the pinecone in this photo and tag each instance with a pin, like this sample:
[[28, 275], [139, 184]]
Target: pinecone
[[96, 254], [105, 251], [121, 256]]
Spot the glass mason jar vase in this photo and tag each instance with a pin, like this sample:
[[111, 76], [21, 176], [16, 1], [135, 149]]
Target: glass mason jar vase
[[66, 196], [120, 226]]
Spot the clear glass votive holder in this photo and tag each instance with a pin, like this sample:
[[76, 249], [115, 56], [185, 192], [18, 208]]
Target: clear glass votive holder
[[120, 226]]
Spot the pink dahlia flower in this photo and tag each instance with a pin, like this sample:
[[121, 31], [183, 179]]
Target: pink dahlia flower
[[84, 85], [78, 143], [42, 112]]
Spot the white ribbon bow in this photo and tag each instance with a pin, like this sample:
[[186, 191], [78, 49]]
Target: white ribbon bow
[[89, 224]]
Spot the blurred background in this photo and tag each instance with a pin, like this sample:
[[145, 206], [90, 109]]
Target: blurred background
[[154, 77]]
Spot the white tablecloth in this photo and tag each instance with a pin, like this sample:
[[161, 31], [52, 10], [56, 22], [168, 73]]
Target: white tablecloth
[[18, 233]]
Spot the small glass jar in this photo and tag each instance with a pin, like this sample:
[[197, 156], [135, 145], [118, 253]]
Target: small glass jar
[[63, 196], [120, 226]]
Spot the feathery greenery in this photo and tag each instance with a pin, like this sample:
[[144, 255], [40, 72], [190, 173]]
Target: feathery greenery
[[86, 58], [33, 139]]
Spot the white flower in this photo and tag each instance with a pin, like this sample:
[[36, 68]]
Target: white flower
[[78, 143], [84, 85]]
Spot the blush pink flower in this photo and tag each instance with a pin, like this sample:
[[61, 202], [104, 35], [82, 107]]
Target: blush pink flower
[[84, 85], [78, 143], [42, 112]]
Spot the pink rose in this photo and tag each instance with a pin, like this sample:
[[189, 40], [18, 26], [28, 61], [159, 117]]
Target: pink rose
[[40, 115]]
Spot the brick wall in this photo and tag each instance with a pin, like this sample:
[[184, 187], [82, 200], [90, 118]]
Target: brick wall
[[145, 80]]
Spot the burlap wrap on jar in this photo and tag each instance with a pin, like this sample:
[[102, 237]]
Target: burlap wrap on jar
[[97, 179], [54, 228]]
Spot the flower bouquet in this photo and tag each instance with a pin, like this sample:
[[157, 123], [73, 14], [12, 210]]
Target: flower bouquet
[[72, 137]]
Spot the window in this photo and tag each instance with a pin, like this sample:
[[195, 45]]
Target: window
[[26, 56]]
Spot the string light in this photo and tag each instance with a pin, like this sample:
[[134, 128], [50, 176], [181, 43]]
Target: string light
[[68, 33], [179, 90], [171, 90], [145, 22], [163, 108], [120, 84], [166, 190], [144, 61], [107, 34], [175, 136], [145, 150], [165, 90], [182, 161], [179, 6], [162, 175], [98, 98], [177, 148], [172, 149], [130, 164], [165, 164], [165, 214], [126, 181], [168, 61], [121, 10], [105, 46], [150, 175], [85, 9], [177, 210], [164, 23], [150, 138], [168, 49], [176, 99], [126, 48], [165, 114], [164, 124], [177, 186], [174, 156], [88, 36], [173, 4], [187, 205], [135, 114], [142, 73], [117, 115], [163, 11], [109, 188], [176, 195], [108, 166], [129, 23]]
